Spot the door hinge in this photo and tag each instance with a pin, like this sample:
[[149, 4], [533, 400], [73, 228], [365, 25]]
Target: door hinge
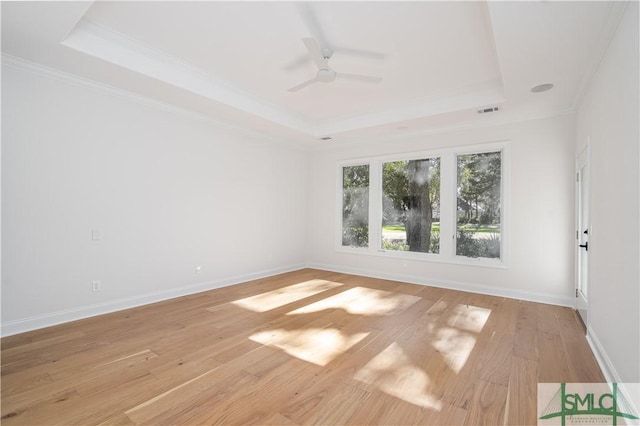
[[576, 292], [578, 177]]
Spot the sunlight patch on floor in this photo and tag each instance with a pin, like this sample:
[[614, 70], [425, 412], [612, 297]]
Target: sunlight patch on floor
[[316, 345], [455, 346], [274, 299], [454, 338], [392, 372], [362, 301], [469, 318]]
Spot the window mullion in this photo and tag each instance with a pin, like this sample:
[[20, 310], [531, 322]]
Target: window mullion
[[448, 199], [375, 206]]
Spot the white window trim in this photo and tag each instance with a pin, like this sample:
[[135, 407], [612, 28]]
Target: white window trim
[[340, 180], [448, 205]]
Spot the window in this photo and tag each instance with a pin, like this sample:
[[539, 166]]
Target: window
[[355, 206], [446, 206], [478, 206], [411, 205]]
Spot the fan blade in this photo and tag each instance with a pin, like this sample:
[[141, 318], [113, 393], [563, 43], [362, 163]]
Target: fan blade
[[311, 21], [303, 85], [366, 54], [358, 77], [316, 54], [306, 11]]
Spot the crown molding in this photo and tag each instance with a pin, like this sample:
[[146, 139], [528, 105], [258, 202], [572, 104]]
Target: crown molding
[[460, 127], [101, 42], [104, 43], [464, 98], [75, 80]]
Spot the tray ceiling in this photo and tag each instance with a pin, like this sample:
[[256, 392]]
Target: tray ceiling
[[439, 62]]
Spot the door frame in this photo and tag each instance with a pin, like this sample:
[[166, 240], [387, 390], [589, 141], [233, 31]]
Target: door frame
[[582, 304]]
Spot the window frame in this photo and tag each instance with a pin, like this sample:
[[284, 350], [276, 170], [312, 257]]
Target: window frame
[[339, 203], [402, 157], [448, 205]]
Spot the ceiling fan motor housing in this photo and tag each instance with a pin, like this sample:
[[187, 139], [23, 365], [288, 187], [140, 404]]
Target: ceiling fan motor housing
[[326, 75]]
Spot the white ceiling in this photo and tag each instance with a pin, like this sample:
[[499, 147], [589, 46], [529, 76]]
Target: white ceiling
[[235, 61]]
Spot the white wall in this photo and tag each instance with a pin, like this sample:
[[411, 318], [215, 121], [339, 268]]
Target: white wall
[[167, 192], [608, 118], [540, 213]]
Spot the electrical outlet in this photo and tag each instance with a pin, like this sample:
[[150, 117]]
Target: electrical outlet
[[404, 263], [95, 285], [198, 269], [96, 235]]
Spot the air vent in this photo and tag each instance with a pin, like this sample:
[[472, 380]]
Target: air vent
[[325, 138], [488, 110], [542, 88]]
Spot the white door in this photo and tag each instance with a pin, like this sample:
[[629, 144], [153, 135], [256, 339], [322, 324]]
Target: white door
[[582, 233]]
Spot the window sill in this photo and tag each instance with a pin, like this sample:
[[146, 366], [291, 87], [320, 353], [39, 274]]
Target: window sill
[[426, 257]]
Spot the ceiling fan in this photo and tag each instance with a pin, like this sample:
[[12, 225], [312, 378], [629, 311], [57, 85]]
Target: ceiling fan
[[325, 73], [307, 12]]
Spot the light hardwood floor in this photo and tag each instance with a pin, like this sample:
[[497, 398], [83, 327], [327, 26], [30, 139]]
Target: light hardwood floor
[[299, 348]]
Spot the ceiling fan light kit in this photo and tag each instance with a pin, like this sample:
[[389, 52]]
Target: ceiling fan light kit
[[326, 75]]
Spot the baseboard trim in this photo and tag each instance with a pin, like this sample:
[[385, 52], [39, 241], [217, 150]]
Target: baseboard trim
[[452, 285], [46, 320], [606, 366], [609, 371]]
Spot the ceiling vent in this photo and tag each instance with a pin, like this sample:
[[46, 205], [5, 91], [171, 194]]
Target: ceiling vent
[[325, 138], [488, 110], [542, 88]]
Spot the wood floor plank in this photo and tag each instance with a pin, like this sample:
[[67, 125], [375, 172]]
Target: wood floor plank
[[19, 350], [289, 379], [339, 406], [357, 351], [119, 419], [372, 410], [488, 404], [305, 404], [547, 318], [523, 392], [278, 420], [553, 360], [109, 397], [38, 411], [214, 404], [23, 381], [497, 358], [583, 364], [503, 316], [447, 415], [525, 343], [456, 387]]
